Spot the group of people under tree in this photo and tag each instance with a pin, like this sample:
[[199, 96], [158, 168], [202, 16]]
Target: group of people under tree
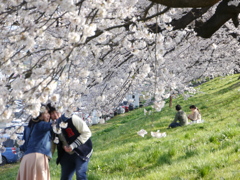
[[181, 118], [73, 154], [74, 148]]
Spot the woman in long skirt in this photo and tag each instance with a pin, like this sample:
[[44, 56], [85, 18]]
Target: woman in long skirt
[[37, 148]]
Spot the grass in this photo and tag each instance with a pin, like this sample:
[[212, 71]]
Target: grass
[[210, 150]]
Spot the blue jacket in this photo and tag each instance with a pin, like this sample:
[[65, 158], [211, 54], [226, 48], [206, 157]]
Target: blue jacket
[[39, 138]]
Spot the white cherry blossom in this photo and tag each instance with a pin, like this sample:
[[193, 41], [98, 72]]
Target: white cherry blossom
[[92, 53]]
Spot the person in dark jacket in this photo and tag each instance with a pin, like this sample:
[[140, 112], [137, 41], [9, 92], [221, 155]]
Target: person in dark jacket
[[37, 148], [180, 118], [75, 147]]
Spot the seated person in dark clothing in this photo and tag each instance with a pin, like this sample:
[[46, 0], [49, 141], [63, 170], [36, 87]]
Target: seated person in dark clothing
[[180, 118]]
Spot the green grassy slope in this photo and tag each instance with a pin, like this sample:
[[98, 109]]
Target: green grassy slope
[[210, 150]]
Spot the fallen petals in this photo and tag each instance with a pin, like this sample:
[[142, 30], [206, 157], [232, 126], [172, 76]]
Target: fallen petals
[[142, 132], [158, 134]]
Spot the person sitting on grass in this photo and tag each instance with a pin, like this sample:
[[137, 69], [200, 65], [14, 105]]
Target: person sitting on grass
[[180, 118], [195, 115]]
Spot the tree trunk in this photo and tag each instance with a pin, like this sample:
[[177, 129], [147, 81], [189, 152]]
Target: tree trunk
[[186, 3], [170, 101]]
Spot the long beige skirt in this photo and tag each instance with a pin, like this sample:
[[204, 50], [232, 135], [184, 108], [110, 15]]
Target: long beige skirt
[[34, 166]]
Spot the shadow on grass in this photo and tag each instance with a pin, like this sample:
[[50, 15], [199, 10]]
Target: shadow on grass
[[228, 89], [164, 159]]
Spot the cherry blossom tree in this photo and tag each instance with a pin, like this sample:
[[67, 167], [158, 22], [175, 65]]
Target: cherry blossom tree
[[186, 3], [88, 53]]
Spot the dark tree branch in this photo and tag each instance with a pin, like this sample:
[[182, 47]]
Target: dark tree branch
[[222, 15], [186, 3], [147, 9], [183, 21], [206, 29], [188, 18]]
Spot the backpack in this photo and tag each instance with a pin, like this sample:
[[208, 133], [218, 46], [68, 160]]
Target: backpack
[[131, 107]]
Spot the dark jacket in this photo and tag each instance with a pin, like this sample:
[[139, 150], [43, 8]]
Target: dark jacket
[[71, 134], [181, 117]]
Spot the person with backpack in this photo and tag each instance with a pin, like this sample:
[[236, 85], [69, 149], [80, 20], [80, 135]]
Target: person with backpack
[[74, 147], [37, 148]]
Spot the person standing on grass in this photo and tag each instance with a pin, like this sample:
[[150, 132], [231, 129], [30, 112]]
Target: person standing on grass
[[37, 148], [75, 150], [180, 118], [195, 115]]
